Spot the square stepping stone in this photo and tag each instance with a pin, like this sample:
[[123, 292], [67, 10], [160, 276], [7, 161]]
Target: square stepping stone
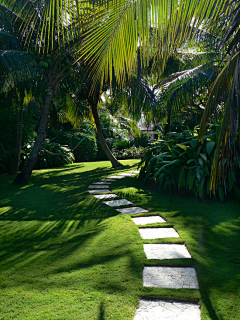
[[101, 182], [157, 233], [132, 210], [117, 203], [147, 220], [108, 179], [166, 251], [170, 277], [98, 186], [127, 174], [99, 191], [167, 310], [105, 196], [116, 177]]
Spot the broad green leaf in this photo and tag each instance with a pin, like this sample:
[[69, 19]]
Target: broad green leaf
[[193, 143], [201, 162], [204, 156], [210, 146]]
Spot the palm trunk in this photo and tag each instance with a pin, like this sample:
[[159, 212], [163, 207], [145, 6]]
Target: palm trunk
[[114, 161], [26, 172], [16, 160]]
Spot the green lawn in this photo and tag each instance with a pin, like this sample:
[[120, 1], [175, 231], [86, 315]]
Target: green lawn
[[66, 255]]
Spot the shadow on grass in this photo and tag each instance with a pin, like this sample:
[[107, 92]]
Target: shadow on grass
[[53, 228], [59, 194], [101, 311], [211, 231]]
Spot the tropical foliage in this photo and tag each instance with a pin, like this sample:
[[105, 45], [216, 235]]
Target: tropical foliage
[[179, 162], [51, 155]]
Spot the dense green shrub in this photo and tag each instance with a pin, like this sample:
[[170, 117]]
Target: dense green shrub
[[86, 151], [180, 162], [141, 140], [129, 153], [47, 160]]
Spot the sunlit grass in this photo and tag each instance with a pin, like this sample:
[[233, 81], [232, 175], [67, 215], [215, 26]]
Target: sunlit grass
[[66, 255], [211, 231]]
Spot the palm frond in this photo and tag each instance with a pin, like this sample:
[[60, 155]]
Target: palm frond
[[176, 91], [156, 28], [221, 85], [16, 67]]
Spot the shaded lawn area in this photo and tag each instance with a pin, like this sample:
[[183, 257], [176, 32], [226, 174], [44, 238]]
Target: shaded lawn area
[[66, 255], [211, 231]]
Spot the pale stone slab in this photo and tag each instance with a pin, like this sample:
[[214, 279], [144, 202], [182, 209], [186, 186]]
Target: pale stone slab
[[108, 179], [102, 182], [117, 203], [98, 186], [170, 277], [105, 196], [135, 171], [147, 220], [157, 233], [116, 177], [166, 251], [132, 210], [167, 310], [127, 174], [99, 191]]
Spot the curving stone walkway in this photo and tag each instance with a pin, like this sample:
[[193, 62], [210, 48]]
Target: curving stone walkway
[[155, 276]]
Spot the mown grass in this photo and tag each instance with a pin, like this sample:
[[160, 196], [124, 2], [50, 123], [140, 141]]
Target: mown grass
[[63, 254], [211, 231], [66, 255]]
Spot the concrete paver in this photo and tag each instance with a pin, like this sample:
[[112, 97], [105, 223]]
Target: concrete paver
[[105, 196], [99, 191], [167, 310], [147, 220], [166, 251], [98, 186], [157, 233], [117, 203], [132, 210], [102, 182], [170, 277], [116, 177]]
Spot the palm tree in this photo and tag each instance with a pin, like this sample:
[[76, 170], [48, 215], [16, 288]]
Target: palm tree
[[112, 35], [226, 88], [55, 40]]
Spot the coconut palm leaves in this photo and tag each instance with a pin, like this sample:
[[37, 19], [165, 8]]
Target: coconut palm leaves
[[157, 28], [183, 88], [45, 21], [226, 88]]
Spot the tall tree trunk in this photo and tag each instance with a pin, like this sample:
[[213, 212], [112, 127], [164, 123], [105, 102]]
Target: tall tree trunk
[[16, 160], [26, 172], [114, 161]]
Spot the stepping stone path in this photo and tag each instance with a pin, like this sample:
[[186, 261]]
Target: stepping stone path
[[105, 196], [132, 210], [147, 220], [98, 186], [157, 233], [166, 251], [117, 203], [155, 276], [167, 310], [99, 191]]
